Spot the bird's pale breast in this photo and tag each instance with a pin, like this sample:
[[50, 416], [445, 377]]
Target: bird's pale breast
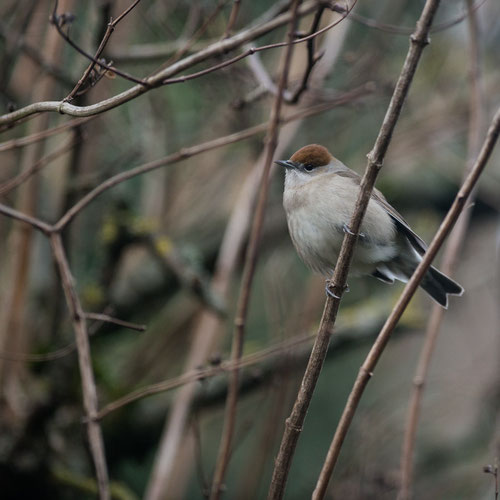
[[316, 213]]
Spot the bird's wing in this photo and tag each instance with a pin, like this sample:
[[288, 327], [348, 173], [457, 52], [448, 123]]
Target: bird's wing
[[417, 243]]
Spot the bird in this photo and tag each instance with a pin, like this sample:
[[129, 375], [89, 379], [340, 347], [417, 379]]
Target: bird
[[319, 196]]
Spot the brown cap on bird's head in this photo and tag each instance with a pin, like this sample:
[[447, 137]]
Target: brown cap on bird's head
[[313, 154]]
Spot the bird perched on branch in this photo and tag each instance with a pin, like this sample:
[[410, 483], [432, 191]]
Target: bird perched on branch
[[319, 199]]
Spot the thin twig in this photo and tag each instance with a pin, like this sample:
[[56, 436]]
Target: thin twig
[[204, 373], [225, 445], [449, 259], [39, 136], [295, 422], [16, 181], [107, 35], [57, 22], [366, 370], [209, 329], [186, 46], [68, 349], [216, 49], [32, 221], [312, 57], [232, 18], [39, 358], [407, 30], [253, 50], [186, 153], [120, 322], [89, 388]]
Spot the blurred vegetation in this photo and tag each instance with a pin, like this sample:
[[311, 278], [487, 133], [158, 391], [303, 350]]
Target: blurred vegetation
[[145, 251]]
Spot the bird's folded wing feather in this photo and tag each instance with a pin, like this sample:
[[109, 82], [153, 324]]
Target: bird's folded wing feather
[[415, 240]]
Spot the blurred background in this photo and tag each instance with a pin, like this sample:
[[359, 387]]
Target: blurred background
[[166, 249]]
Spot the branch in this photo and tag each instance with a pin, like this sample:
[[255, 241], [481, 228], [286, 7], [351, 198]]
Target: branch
[[120, 322], [406, 30], [16, 181], [312, 57], [209, 328], [249, 270], [214, 50], [59, 21], [45, 228], [39, 136], [186, 153], [295, 422], [107, 35], [366, 370], [89, 388], [232, 18], [449, 259], [204, 373]]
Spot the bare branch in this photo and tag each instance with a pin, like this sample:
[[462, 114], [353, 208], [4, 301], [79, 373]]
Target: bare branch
[[186, 153], [109, 319], [58, 22], [407, 30], [85, 363], [449, 259], [312, 57], [32, 221], [39, 358], [216, 49], [295, 422], [366, 370], [204, 373], [249, 270], [107, 35], [232, 18], [39, 136], [16, 181]]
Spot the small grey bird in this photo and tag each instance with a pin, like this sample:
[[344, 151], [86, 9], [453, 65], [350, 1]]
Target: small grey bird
[[319, 199]]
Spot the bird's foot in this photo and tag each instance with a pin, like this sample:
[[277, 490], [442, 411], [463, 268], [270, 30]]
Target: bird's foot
[[329, 291], [347, 230]]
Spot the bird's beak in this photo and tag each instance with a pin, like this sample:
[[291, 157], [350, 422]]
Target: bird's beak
[[286, 163]]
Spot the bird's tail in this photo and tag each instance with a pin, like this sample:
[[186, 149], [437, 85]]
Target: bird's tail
[[439, 286]]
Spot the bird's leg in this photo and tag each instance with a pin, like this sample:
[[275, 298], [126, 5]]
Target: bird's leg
[[347, 230], [329, 291]]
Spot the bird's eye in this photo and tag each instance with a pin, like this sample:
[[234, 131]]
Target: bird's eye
[[308, 167]]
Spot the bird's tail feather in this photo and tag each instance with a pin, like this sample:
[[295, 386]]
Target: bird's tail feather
[[439, 286]]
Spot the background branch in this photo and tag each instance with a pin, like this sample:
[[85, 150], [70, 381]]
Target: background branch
[[452, 248]]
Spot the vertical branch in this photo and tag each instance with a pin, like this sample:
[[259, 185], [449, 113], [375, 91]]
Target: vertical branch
[[209, 326], [295, 422], [449, 259], [380, 343], [249, 270], [84, 360]]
